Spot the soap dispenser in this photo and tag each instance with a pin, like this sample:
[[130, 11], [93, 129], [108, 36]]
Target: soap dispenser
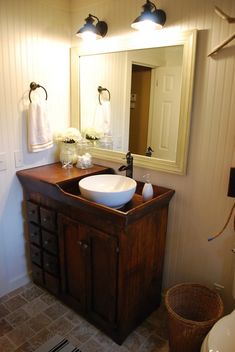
[[147, 192]]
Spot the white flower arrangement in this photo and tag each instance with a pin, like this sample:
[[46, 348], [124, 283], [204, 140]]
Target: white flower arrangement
[[70, 135], [92, 134]]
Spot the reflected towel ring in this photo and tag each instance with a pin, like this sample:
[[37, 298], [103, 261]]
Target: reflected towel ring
[[100, 90], [34, 86]]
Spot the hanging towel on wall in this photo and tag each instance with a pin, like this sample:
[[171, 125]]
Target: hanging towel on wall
[[102, 118], [39, 132]]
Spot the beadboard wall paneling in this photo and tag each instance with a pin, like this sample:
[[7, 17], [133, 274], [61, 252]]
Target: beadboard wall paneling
[[200, 206], [34, 46]]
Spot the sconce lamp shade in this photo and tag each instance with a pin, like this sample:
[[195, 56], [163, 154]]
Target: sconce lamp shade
[[90, 30], [150, 18]]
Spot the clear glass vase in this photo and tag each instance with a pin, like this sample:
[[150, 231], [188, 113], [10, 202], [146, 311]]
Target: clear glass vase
[[68, 154], [84, 156]]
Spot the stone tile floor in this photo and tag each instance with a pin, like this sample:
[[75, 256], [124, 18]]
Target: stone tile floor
[[29, 316]]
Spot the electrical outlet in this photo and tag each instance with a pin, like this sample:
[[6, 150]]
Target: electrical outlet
[[3, 161], [18, 158], [231, 185]]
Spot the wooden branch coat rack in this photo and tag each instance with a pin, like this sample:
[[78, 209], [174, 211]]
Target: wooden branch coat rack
[[230, 20]]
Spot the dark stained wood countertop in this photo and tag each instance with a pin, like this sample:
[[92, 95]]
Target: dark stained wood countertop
[[55, 174], [62, 185]]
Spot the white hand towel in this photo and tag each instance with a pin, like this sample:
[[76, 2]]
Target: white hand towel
[[102, 118], [39, 132]]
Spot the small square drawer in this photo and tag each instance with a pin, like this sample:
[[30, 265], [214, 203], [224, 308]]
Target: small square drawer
[[52, 283], [48, 219], [34, 234], [36, 255], [50, 264], [37, 275], [33, 212], [49, 242]]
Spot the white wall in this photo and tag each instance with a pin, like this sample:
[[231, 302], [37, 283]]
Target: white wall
[[34, 46], [200, 206]]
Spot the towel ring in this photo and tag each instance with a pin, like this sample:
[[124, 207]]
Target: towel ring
[[100, 90], [34, 86]]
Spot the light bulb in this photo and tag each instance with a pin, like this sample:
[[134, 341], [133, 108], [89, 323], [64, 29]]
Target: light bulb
[[146, 25]]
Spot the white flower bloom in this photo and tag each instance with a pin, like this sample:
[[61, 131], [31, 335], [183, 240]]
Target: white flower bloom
[[71, 135], [92, 134]]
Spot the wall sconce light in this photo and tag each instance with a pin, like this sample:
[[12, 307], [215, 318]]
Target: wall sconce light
[[90, 30], [150, 18]]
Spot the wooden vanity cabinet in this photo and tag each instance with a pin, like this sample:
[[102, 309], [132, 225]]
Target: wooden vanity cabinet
[[106, 264]]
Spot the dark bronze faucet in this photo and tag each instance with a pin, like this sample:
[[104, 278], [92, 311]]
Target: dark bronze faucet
[[129, 165], [149, 152]]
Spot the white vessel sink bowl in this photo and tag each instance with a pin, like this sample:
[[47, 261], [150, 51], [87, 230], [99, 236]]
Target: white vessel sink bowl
[[111, 190]]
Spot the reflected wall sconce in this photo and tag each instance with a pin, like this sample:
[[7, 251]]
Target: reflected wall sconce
[[150, 18], [91, 30]]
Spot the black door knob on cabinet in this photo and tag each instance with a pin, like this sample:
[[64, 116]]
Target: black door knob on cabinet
[[83, 244]]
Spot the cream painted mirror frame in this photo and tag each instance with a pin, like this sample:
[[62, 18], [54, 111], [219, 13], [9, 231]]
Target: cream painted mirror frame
[[133, 42]]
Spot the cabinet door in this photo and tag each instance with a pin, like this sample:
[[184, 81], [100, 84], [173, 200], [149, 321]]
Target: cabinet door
[[73, 258], [89, 261], [103, 266]]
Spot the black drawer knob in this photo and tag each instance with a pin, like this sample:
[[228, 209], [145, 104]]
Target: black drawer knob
[[83, 244]]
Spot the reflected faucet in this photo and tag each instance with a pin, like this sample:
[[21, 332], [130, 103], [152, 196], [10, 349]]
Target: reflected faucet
[[129, 165], [149, 152]]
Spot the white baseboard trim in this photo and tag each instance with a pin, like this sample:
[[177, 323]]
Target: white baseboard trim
[[15, 283]]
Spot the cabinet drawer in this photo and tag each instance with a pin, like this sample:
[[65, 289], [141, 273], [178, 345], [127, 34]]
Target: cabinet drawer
[[36, 255], [37, 275], [50, 264], [34, 234], [52, 283], [33, 212], [49, 242], [48, 219]]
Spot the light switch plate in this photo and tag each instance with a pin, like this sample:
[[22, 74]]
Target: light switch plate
[[3, 161], [18, 158]]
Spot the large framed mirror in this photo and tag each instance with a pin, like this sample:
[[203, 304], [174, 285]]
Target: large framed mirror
[[136, 96]]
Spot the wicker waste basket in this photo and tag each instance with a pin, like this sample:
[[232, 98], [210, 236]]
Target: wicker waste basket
[[192, 311]]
